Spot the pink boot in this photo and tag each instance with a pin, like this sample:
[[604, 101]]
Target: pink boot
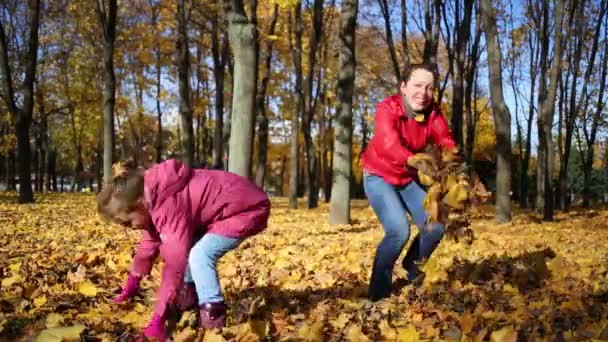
[[213, 315]]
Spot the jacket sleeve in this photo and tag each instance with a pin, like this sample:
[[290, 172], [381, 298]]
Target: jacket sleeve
[[174, 224], [390, 143], [440, 132], [146, 252]]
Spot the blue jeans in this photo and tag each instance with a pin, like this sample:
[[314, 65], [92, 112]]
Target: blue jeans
[[202, 263], [391, 204]]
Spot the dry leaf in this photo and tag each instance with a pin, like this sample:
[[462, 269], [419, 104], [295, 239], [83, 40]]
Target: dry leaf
[[53, 320], [87, 288], [61, 334], [355, 334], [506, 334]]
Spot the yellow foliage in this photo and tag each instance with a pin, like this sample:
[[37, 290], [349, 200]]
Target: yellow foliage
[[305, 280]]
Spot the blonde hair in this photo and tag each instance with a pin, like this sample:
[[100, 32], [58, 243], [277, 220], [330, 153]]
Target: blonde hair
[[124, 194]]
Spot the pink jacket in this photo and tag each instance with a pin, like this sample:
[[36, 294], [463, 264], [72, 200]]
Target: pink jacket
[[184, 205]]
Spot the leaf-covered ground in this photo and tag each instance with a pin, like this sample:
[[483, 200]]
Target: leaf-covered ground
[[305, 280]]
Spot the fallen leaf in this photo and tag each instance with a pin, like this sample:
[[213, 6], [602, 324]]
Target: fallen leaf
[[87, 288], [212, 336], [40, 301], [61, 334], [186, 335], [7, 282], [355, 334], [53, 320], [407, 334], [506, 334], [312, 332]]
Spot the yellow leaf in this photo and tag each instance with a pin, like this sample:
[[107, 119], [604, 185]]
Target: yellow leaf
[[312, 332], [272, 37], [61, 334], [356, 334], [212, 336], [134, 319], [506, 334], [15, 267], [389, 333], [466, 323], [186, 335], [87, 288], [15, 279], [40, 301], [341, 321], [111, 264], [407, 334], [53, 320]]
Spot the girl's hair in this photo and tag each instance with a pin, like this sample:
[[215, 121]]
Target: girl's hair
[[123, 194], [407, 72]]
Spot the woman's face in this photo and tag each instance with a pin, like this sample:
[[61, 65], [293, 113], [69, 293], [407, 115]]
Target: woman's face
[[418, 90]]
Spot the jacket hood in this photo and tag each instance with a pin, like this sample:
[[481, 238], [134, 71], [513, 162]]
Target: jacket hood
[[165, 179]]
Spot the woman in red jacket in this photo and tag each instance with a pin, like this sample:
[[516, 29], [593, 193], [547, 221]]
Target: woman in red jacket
[[405, 124]]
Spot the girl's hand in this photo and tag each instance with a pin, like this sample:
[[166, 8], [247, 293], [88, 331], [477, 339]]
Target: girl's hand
[[130, 289], [156, 329]]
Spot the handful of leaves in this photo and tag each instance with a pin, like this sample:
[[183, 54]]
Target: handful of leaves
[[448, 184]]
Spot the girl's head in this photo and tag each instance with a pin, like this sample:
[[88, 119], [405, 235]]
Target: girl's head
[[122, 201], [417, 85]]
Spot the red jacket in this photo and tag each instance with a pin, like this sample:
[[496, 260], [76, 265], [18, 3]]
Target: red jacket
[[397, 137]]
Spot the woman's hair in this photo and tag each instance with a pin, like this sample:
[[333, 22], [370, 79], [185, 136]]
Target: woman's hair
[[123, 194], [407, 72]]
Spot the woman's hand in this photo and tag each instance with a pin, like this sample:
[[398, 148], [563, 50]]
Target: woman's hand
[[130, 289]]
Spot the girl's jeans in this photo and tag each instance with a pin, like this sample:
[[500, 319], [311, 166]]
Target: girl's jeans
[[202, 263], [391, 204]]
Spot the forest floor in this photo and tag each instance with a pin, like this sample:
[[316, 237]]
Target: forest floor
[[304, 280]]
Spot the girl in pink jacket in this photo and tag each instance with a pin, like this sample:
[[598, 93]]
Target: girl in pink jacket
[[191, 218]]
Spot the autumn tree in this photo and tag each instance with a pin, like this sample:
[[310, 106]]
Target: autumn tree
[[546, 105], [502, 117], [340, 199], [21, 113], [106, 14], [261, 100]]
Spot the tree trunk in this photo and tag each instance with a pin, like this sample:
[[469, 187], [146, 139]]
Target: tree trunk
[[11, 168], [220, 55], [547, 107], [159, 113], [431, 35], [294, 149], [183, 75], [502, 118], [340, 199], [310, 106], [52, 170], [384, 9], [22, 116], [260, 173], [107, 18], [241, 35], [404, 43], [523, 181], [463, 32], [470, 91], [596, 119]]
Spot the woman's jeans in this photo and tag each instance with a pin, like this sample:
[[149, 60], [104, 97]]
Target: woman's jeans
[[391, 204], [202, 266]]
